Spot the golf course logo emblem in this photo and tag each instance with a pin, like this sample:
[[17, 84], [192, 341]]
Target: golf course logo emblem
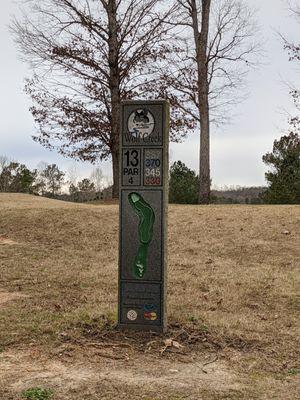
[[145, 230], [132, 315], [141, 123]]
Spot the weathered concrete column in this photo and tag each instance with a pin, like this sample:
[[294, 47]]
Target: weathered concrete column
[[144, 171]]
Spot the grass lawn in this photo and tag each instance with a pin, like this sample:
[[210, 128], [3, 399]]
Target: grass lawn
[[233, 305]]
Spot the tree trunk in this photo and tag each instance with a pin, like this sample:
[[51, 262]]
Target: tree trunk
[[114, 85], [201, 42], [115, 126], [204, 167], [115, 166]]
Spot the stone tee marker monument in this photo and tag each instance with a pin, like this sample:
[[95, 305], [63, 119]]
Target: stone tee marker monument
[[144, 169]]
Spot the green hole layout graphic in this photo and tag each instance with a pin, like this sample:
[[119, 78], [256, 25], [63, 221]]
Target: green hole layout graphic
[[147, 218]]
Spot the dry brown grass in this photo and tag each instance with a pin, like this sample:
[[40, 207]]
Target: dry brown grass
[[233, 292]]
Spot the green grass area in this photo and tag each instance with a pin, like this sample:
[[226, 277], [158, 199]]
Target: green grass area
[[37, 394]]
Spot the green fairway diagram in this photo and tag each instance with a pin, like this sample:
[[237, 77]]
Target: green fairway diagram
[[145, 230]]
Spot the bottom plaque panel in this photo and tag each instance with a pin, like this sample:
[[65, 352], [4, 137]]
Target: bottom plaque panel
[[141, 303]]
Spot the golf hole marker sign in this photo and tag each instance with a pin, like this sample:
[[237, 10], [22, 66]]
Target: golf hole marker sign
[[144, 166]]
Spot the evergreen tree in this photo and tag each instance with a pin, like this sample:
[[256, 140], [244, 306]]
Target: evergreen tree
[[284, 179], [86, 186], [17, 178], [184, 184]]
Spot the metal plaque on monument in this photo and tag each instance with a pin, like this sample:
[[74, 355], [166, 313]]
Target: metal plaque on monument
[[144, 170]]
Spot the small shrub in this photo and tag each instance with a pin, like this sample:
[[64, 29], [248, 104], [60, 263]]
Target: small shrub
[[37, 394], [294, 371]]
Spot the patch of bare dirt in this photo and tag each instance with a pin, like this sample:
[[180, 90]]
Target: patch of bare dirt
[[22, 370], [6, 297], [6, 241]]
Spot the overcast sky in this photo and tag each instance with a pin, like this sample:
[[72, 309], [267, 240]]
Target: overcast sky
[[236, 149]]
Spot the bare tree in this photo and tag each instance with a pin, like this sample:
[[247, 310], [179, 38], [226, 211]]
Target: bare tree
[[40, 178], [292, 46], [97, 178], [87, 56], [293, 49], [54, 179], [4, 162], [209, 68], [73, 174]]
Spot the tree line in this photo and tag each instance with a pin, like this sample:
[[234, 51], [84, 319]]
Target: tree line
[[283, 179], [50, 181]]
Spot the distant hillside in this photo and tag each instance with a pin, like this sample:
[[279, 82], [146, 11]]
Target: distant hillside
[[239, 195], [20, 200]]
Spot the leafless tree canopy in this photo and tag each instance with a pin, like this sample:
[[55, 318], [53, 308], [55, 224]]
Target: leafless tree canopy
[[97, 178], [232, 49], [87, 56], [216, 47], [4, 162], [292, 46]]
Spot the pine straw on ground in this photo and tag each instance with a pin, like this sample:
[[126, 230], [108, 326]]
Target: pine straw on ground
[[233, 298]]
